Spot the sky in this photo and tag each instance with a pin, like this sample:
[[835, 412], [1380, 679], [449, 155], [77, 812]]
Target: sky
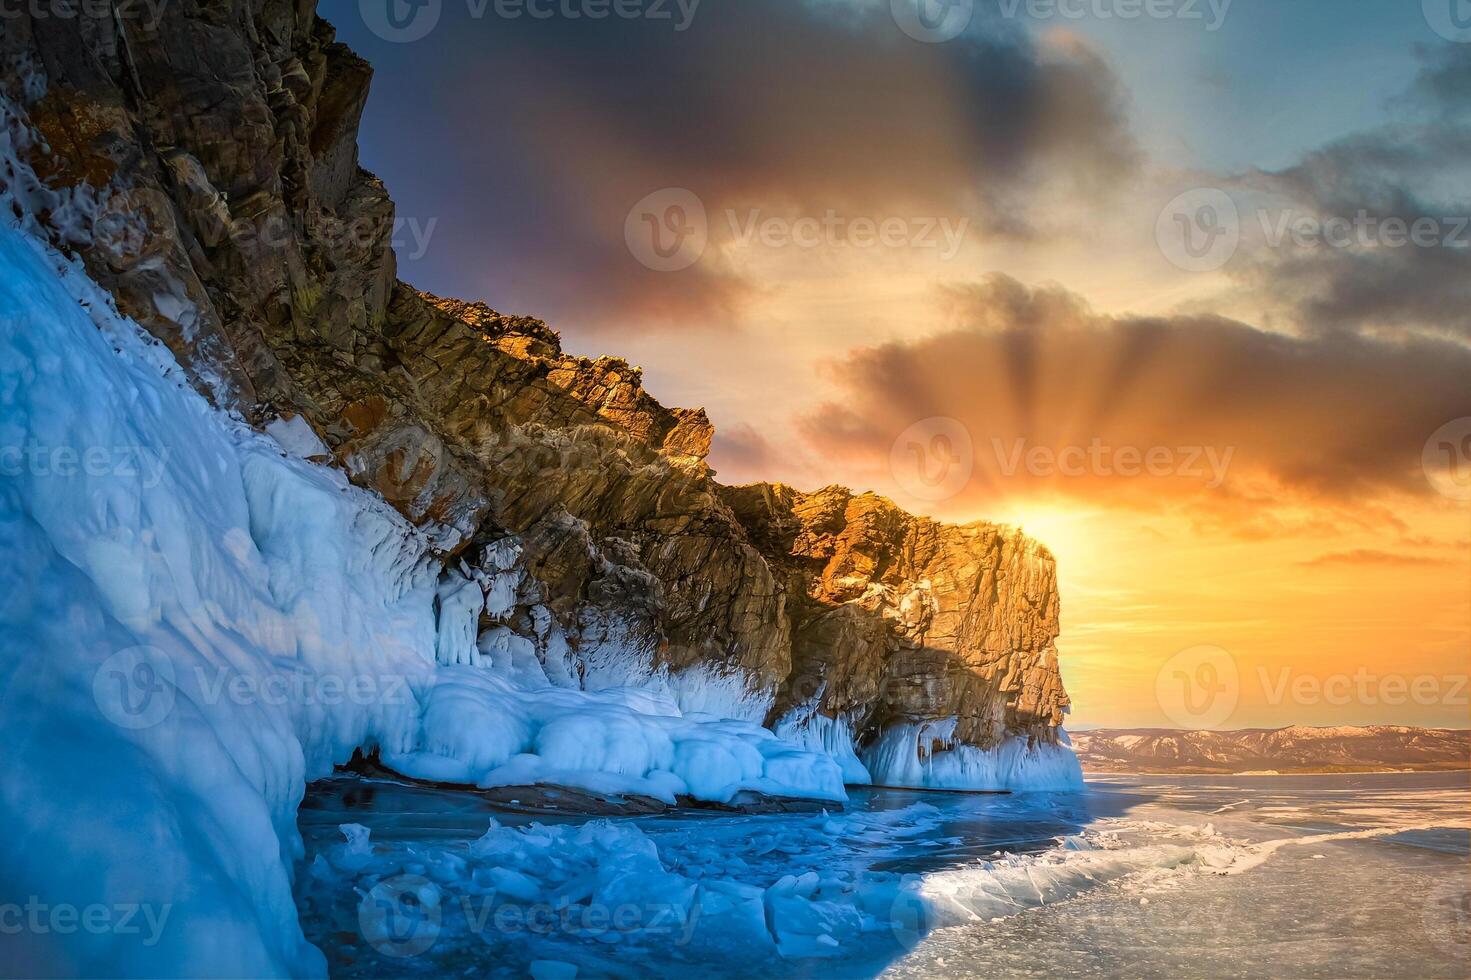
[[1181, 287]]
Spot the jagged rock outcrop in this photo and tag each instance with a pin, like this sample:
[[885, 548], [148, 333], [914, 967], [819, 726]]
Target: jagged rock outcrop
[[902, 618], [240, 230]]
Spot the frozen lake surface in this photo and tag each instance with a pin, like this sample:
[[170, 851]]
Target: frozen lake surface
[[1164, 876]]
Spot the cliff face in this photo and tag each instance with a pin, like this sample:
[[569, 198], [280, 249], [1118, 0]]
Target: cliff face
[[901, 618], [578, 519]]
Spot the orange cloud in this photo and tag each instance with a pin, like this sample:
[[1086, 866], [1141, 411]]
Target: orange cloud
[[1258, 430], [1373, 557]]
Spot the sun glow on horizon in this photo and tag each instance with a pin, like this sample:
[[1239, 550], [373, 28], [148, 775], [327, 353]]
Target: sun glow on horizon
[[1066, 531]]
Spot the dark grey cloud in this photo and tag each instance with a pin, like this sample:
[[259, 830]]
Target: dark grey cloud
[[1414, 173], [529, 140], [1444, 82]]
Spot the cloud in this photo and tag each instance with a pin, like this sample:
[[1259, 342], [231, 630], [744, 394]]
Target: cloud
[[546, 132], [1247, 428], [1386, 182], [1372, 557], [1443, 81], [740, 454]]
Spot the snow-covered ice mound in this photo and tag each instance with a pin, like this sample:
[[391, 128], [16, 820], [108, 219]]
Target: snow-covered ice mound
[[484, 729]]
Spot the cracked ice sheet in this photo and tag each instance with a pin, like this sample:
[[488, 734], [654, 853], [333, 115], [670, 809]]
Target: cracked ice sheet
[[1338, 893], [629, 898], [1335, 909], [1106, 883]]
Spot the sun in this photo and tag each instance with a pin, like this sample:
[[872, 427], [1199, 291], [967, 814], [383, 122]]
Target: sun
[[1066, 531]]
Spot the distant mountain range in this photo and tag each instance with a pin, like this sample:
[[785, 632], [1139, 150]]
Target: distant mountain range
[[1295, 749]]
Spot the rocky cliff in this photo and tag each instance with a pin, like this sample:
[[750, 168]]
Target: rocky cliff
[[211, 160], [897, 618]]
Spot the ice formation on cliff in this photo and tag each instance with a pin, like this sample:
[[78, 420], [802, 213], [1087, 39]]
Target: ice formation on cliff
[[831, 736], [926, 756], [195, 622]]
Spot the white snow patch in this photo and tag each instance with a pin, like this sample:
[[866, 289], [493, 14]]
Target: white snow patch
[[298, 438]]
